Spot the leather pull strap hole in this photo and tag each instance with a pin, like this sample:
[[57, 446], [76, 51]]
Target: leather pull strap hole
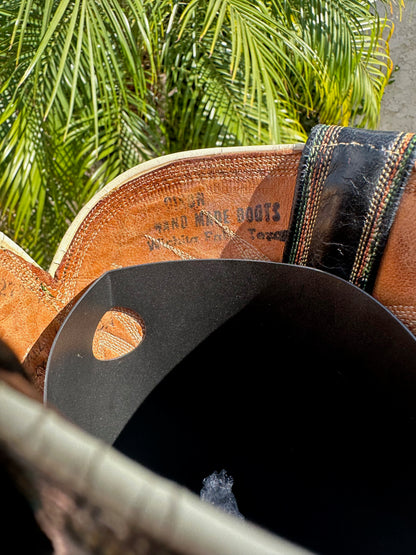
[[119, 331]]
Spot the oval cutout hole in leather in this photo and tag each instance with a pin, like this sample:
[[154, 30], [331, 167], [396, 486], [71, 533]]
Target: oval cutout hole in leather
[[119, 331]]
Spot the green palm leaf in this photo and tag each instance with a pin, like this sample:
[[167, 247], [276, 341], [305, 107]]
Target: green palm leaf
[[91, 88]]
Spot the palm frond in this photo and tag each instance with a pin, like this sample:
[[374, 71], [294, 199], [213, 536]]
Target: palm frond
[[351, 40], [89, 89], [259, 47]]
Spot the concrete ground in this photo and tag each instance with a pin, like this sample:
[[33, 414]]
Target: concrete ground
[[398, 109]]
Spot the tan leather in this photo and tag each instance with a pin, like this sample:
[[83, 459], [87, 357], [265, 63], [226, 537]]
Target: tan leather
[[396, 282], [229, 203], [119, 331]]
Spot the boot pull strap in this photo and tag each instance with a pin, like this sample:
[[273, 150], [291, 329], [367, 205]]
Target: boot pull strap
[[349, 186]]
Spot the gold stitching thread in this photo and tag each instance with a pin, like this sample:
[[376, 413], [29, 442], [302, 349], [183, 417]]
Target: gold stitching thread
[[301, 200], [320, 179], [182, 254], [313, 182], [30, 281], [150, 190], [375, 201], [257, 254]]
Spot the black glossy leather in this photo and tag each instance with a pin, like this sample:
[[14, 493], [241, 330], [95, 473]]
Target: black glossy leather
[[349, 187], [299, 384]]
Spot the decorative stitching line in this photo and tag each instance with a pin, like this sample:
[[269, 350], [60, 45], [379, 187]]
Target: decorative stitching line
[[314, 176], [304, 195], [387, 191], [321, 179], [317, 170], [69, 282], [131, 321], [312, 182], [30, 281], [256, 254], [115, 343], [368, 226], [182, 254], [354, 143]]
